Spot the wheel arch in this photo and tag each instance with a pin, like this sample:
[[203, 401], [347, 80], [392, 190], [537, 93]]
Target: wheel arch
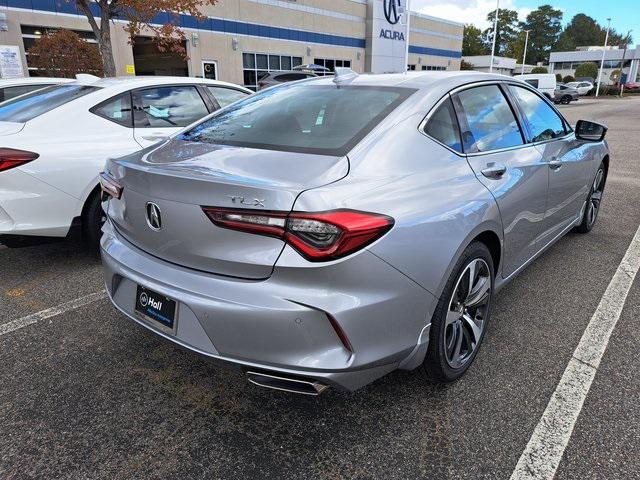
[[490, 234], [492, 241], [87, 200], [605, 160]]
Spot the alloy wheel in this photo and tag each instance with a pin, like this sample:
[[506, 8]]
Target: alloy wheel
[[595, 198], [467, 313]]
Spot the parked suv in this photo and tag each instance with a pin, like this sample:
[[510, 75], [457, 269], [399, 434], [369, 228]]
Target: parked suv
[[583, 87], [324, 233]]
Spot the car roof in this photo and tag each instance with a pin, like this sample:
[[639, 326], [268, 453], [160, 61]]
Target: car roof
[[418, 80], [125, 83], [7, 82]]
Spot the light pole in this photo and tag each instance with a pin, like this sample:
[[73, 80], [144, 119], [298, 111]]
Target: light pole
[[406, 52], [524, 55], [495, 34], [624, 54], [604, 50]]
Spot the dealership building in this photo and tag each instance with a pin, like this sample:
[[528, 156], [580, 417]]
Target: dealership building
[[565, 63], [240, 40]]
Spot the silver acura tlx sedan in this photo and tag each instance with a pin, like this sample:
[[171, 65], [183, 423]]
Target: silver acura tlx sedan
[[326, 232]]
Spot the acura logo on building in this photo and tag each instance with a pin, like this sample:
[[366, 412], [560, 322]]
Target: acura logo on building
[[154, 220], [392, 11]]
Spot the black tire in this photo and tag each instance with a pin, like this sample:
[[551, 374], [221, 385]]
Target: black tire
[[594, 200], [92, 220], [437, 364], [566, 100]]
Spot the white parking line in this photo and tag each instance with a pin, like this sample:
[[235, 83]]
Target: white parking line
[[544, 451], [51, 312]]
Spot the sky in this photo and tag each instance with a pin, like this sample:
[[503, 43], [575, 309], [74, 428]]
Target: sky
[[625, 14]]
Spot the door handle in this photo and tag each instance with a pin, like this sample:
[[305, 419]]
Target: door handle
[[555, 164], [494, 170]]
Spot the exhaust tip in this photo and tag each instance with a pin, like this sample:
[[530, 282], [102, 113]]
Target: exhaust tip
[[285, 384]]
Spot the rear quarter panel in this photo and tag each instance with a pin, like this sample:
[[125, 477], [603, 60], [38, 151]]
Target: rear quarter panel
[[437, 203]]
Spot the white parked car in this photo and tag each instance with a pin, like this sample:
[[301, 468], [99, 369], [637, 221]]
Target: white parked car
[[582, 87], [544, 82], [14, 87], [54, 143]]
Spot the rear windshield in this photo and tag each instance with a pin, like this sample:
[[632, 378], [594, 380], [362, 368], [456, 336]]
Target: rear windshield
[[321, 119], [27, 107]]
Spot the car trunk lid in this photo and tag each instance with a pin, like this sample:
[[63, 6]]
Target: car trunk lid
[[181, 177]]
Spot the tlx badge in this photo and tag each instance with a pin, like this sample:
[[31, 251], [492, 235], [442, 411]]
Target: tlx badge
[[251, 202]]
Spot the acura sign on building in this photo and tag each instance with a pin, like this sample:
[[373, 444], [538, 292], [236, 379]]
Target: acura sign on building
[[386, 36]]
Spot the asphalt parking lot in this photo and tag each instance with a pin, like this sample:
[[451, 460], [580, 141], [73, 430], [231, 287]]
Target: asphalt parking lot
[[87, 393]]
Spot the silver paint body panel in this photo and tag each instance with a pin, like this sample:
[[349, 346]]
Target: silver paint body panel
[[254, 301]]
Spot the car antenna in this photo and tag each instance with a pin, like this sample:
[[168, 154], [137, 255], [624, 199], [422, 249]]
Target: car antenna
[[86, 77], [343, 75]]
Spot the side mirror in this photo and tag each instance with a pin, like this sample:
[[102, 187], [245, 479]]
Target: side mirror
[[590, 131]]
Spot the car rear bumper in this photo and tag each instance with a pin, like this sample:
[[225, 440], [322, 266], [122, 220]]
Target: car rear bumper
[[29, 206], [344, 324]]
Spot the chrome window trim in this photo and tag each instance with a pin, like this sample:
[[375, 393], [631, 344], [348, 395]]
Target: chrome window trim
[[498, 83], [493, 82], [551, 104], [425, 120]]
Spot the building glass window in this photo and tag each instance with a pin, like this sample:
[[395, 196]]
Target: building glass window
[[332, 63], [257, 65], [411, 67]]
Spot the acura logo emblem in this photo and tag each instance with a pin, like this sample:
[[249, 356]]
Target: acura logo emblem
[[392, 11], [154, 219]]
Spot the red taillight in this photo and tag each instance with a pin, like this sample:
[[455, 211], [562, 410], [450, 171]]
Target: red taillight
[[10, 158], [317, 236], [110, 186]]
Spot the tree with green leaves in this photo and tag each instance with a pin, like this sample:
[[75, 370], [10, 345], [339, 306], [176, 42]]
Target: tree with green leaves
[[539, 70], [587, 70], [558, 77], [545, 24], [569, 79], [472, 43], [584, 31], [507, 30]]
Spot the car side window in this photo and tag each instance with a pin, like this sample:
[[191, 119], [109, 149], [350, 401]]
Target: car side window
[[168, 106], [544, 123], [117, 110], [226, 96], [489, 122], [443, 126]]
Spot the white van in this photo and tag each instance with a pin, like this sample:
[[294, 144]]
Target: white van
[[545, 82]]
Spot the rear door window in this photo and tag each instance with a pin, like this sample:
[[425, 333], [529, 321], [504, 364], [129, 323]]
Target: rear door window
[[443, 126], [117, 110], [544, 123], [226, 96], [168, 106], [29, 106], [490, 122]]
